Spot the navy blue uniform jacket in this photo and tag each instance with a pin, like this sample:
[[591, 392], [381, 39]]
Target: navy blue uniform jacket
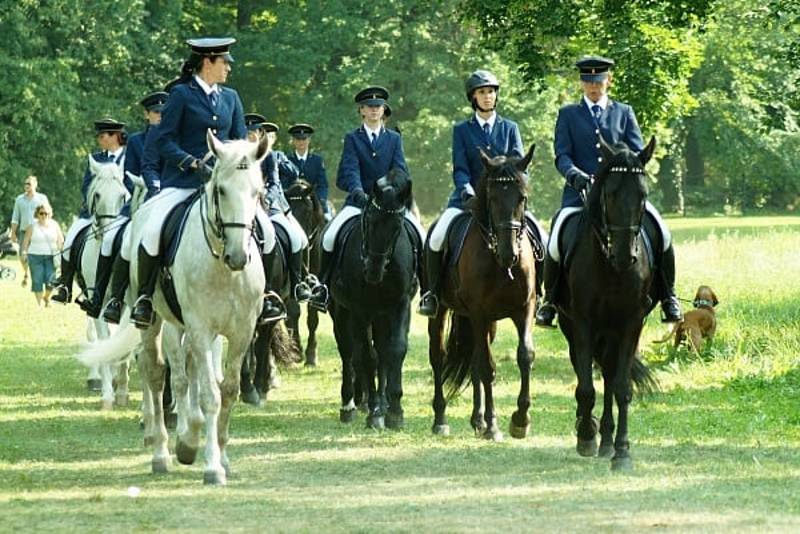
[[181, 136], [99, 157], [134, 154], [361, 166], [468, 137], [577, 142], [312, 170]]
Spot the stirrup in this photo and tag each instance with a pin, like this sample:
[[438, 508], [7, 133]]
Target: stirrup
[[143, 323], [545, 315], [302, 286], [272, 298], [673, 315], [113, 311], [319, 298], [62, 294], [428, 304]]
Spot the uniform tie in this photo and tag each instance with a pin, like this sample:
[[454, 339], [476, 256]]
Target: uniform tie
[[374, 139], [214, 98], [597, 111], [487, 129]]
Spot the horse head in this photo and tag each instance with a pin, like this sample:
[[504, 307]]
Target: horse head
[[617, 201], [382, 222], [139, 191], [106, 194], [232, 195], [499, 206], [305, 206]]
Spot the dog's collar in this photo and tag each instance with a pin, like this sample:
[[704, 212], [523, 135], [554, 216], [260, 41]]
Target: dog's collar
[[703, 303]]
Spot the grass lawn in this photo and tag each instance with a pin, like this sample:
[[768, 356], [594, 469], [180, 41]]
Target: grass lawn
[[718, 449]]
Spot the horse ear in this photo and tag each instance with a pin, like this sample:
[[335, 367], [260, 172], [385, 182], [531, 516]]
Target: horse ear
[[485, 158], [94, 167], [605, 149], [522, 165], [647, 153], [264, 146], [214, 144]]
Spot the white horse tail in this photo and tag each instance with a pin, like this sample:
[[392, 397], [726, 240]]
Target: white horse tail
[[115, 349]]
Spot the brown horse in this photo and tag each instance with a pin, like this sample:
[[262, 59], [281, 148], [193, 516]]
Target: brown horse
[[493, 279], [309, 212]]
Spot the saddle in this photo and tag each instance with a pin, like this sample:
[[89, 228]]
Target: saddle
[[76, 254], [171, 233]]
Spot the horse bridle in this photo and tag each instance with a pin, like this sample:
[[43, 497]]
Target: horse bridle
[[313, 233], [384, 256], [603, 234], [518, 227], [217, 225]]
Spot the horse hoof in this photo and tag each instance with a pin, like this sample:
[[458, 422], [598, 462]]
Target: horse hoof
[[121, 401], [493, 434], [606, 450], [214, 478], [171, 420], [587, 447], [184, 453], [518, 432], [106, 405], [160, 465], [621, 463], [441, 430], [347, 416], [480, 428], [394, 420], [251, 397], [375, 422]]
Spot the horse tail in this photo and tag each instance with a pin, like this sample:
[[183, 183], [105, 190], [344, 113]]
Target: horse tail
[[643, 380], [458, 355], [115, 349], [283, 347]]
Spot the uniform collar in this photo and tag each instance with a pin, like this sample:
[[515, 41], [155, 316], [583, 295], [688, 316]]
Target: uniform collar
[[299, 157], [369, 131], [491, 120], [114, 156], [603, 102], [207, 89]]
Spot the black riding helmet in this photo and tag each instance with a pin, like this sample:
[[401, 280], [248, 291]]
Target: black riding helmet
[[480, 78]]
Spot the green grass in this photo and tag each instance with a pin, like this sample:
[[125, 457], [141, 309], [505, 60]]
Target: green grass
[[716, 450]]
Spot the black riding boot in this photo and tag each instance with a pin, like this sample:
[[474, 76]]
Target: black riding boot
[[320, 293], [546, 313], [63, 291], [120, 280], [298, 287], [429, 302], [273, 308], [93, 306], [142, 314], [669, 303]]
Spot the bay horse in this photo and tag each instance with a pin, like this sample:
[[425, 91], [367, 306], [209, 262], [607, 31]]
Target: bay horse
[[371, 293], [309, 212], [605, 296], [495, 278], [219, 281]]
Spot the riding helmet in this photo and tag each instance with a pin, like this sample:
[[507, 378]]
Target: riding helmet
[[478, 79]]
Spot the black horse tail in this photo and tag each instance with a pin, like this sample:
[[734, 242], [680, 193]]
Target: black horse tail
[[458, 356], [643, 380], [283, 347]]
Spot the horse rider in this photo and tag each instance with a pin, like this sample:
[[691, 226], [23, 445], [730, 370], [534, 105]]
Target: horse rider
[[577, 149], [278, 207], [111, 138], [153, 104], [197, 102], [369, 152], [310, 165], [497, 136]]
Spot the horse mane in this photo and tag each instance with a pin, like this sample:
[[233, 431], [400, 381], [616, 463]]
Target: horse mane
[[400, 181]]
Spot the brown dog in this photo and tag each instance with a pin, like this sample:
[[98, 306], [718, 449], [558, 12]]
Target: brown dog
[[698, 324]]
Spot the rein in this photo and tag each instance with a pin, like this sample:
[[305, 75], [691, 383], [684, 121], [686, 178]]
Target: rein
[[603, 234], [217, 225], [365, 253], [518, 227]]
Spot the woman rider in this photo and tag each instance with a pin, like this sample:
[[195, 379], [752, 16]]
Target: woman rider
[[197, 102]]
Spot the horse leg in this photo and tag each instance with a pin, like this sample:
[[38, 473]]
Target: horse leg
[[607, 419], [477, 420], [210, 400], [366, 366], [293, 322], [188, 441], [623, 391], [520, 420], [258, 364], [237, 347], [178, 356], [482, 359], [436, 352], [586, 425], [341, 331], [312, 321], [152, 368], [391, 341], [121, 381], [104, 370]]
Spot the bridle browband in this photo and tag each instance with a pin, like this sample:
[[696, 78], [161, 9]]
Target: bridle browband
[[604, 233], [517, 227]]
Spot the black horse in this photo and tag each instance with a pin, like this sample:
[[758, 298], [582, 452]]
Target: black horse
[[494, 278], [371, 288], [605, 296], [309, 212]]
